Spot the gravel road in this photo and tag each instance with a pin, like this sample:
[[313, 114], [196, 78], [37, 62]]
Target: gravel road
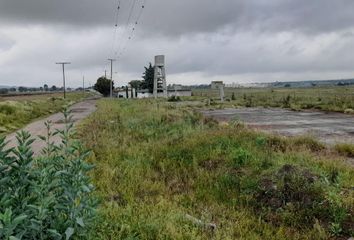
[[79, 112]]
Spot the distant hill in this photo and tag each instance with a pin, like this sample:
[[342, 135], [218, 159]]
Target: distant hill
[[312, 83]]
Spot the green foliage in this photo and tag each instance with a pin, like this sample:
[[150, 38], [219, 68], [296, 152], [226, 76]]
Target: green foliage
[[233, 97], [103, 86], [148, 82], [240, 157], [47, 197], [136, 84], [345, 149], [174, 99]]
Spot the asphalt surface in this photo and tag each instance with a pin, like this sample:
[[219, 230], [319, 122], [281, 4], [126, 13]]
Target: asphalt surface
[[329, 128], [79, 111]]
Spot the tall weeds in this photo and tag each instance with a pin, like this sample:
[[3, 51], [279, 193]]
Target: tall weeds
[[47, 197]]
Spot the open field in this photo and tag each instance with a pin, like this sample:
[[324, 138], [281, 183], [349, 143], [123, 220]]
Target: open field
[[163, 171], [17, 111], [28, 95], [338, 99], [327, 127]]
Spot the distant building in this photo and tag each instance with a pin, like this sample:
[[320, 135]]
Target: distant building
[[215, 84], [124, 92], [172, 91]]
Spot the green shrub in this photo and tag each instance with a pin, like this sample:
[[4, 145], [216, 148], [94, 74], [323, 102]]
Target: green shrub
[[48, 197], [174, 99], [7, 109], [345, 149], [233, 97], [240, 157]]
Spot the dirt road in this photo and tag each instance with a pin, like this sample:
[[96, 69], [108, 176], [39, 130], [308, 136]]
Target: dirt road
[[327, 127], [79, 111]]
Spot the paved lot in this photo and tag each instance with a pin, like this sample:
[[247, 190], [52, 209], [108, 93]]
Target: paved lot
[[327, 127], [79, 112]]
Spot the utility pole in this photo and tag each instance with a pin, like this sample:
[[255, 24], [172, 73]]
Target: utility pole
[[105, 74], [83, 85], [63, 65], [111, 88]]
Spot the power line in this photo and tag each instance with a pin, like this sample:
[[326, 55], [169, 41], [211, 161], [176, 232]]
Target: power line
[[116, 26], [133, 29], [124, 40]]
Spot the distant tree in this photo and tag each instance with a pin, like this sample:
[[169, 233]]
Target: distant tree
[[53, 88], [45, 87], [136, 84], [287, 85], [12, 89], [4, 90], [148, 82], [233, 97], [22, 89], [103, 86], [41, 89]]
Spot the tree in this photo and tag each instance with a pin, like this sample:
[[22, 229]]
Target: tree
[[103, 86], [148, 82], [22, 89], [136, 84], [46, 88], [53, 88], [4, 90]]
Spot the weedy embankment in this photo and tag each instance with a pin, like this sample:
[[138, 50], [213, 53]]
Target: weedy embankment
[[165, 172]]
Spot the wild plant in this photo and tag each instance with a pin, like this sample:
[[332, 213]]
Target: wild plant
[[48, 197]]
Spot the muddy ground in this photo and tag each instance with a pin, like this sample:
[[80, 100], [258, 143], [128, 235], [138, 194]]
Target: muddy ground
[[329, 128]]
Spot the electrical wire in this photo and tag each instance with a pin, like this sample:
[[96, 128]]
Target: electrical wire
[[132, 31]]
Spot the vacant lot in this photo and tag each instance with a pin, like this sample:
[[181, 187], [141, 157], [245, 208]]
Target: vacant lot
[[339, 99], [327, 127], [17, 111], [163, 171]]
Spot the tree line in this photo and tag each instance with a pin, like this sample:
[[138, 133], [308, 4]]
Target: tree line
[[103, 84]]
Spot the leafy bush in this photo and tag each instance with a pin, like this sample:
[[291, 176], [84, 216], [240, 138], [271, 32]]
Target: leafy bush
[[48, 197], [174, 99], [7, 109]]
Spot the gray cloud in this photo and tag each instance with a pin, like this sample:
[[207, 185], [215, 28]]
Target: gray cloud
[[202, 39], [185, 16]]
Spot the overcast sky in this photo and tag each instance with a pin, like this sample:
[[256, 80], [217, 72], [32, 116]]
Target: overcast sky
[[237, 41]]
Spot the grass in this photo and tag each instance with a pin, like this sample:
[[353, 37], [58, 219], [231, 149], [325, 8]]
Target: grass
[[16, 112], [165, 172], [338, 99]]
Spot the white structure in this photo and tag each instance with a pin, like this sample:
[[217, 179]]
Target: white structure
[[170, 93], [215, 84], [160, 84], [219, 85], [125, 92]]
